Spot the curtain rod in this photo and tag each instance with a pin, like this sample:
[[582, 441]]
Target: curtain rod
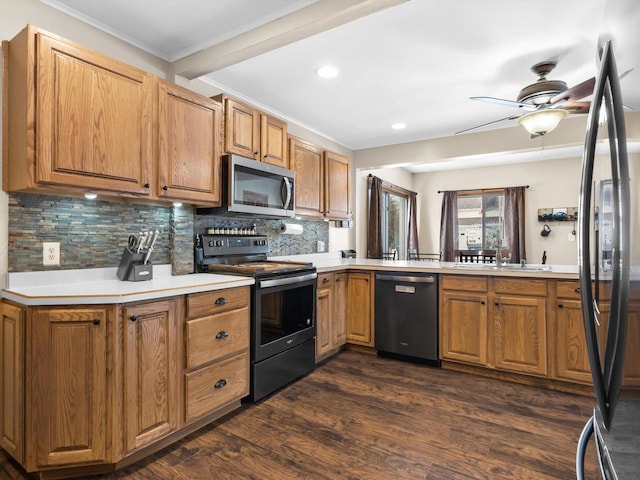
[[370, 176], [483, 189]]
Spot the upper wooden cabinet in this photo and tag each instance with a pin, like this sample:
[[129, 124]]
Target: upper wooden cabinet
[[322, 181], [189, 127], [336, 186], [78, 120], [306, 160], [251, 133]]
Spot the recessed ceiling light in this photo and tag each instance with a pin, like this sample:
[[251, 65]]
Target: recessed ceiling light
[[399, 126], [327, 71], [90, 196]]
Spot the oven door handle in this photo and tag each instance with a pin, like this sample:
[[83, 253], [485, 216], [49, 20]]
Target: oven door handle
[[277, 282]]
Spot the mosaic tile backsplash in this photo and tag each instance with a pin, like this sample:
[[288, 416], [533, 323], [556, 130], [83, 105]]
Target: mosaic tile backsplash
[[94, 233]]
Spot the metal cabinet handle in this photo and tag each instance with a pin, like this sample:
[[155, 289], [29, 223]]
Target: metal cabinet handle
[[222, 334], [147, 185], [165, 188], [220, 383], [577, 290], [497, 304], [560, 305], [221, 301], [96, 321], [481, 302], [325, 280], [133, 318]]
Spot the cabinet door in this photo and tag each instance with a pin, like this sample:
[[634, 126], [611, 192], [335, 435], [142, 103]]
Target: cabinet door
[[12, 380], [519, 334], [273, 141], [572, 357], [323, 322], [189, 157], [306, 160], [339, 326], [93, 120], [359, 318], [464, 327], [242, 129], [336, 178], [67, 385], [150, 372]]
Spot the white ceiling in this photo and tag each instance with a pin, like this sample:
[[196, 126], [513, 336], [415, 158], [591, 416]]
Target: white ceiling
[[416, 62]]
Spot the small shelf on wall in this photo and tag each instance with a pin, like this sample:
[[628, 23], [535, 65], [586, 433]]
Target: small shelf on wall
[[564, 214]]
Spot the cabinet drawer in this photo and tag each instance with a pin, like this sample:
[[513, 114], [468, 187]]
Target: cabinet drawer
[[210, 303], [217, 336], [213, 387], [467, 284], [568, 289], [520, 286], [325, 280]]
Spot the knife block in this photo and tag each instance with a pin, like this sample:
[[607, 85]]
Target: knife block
[[132, 267]]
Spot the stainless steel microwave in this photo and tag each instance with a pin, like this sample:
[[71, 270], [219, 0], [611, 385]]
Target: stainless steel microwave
[[255, 188]]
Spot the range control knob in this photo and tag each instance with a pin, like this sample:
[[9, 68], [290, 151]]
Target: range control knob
[[218, 243], [260, 242]]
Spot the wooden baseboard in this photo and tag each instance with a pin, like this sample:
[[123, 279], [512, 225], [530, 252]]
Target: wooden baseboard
[[550, 384], [360, 348]]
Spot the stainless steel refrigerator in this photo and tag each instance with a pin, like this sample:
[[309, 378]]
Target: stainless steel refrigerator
[[608, 255]]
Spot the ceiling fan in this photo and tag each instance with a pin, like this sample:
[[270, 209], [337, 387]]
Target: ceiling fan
[[546, 101]]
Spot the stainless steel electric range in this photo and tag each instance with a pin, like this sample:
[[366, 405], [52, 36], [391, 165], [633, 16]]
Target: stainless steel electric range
[[283, 307]]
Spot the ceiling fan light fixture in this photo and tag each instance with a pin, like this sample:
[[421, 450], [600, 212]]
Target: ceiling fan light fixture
[[543, 121]]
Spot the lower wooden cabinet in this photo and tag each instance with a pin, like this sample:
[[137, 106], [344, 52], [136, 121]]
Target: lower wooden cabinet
[[85, 387], [151, 373], [66, 402], [12, 389], [330, 314], [572, 357], [217, 350], [360, 291], [463, 327]]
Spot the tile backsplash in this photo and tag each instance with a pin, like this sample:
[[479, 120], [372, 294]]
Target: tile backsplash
[[94, 233]]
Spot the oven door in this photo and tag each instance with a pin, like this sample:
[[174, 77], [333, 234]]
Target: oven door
[[284, 313]]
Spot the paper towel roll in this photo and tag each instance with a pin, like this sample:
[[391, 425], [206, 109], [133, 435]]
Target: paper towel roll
[[291, 229]]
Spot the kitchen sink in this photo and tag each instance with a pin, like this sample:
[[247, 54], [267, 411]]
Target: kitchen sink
[[510, 267]]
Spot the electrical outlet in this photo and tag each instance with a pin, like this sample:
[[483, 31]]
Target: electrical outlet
[[50, 253], [320, 246]]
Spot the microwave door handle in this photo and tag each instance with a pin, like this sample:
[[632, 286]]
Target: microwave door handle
[[287, 186]]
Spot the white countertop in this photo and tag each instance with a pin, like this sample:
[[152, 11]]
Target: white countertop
[[101, 286], [327, 262]]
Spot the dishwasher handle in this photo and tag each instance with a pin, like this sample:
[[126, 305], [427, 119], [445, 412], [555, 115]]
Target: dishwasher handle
[[404, 278]]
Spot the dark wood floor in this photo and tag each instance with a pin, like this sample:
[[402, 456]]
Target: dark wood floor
[[362, 417]]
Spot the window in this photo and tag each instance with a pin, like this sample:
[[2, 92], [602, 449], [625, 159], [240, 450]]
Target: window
[[481, 221], [394, 223]]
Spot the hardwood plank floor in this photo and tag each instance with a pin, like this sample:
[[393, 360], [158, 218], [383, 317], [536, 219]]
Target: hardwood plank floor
[[363, 417]]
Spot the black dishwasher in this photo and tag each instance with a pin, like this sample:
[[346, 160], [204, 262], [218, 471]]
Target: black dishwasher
[[406, 316]]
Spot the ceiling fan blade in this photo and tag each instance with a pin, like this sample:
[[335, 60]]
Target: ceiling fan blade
[[513, 117], [576, 92], [502, 101], [576, 107]]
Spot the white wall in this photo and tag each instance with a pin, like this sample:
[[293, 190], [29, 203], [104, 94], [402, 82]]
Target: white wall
[[552, 184]]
